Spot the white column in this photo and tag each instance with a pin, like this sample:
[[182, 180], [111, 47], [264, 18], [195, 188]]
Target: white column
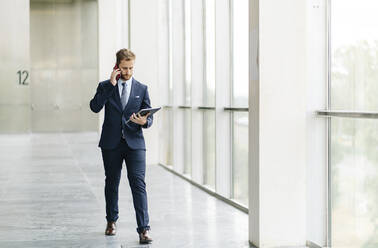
[[163, 77], [178, 76], [109, 31], [198, 64], [316, 127], [277, 190], [222, 78], [144, 43]]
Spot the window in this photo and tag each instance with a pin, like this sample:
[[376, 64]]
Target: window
[[240, 86], [209, 91], [198, 38], [209, 166], [354, 142]]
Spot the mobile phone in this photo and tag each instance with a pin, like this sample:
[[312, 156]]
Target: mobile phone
[[119, 75]]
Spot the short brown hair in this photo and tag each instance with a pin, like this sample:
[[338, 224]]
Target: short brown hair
[[125, 54]]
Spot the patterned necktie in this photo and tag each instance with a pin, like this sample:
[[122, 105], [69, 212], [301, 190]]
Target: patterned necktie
[[123, 95]]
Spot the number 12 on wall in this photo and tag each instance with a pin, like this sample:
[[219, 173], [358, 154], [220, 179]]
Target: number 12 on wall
[[22, 76]]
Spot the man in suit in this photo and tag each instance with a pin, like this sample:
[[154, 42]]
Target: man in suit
[[120, 141]]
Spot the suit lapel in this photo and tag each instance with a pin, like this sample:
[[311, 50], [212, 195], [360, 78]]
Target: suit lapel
[[116, 100]]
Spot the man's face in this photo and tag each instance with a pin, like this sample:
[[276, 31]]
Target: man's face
[[127, 69]]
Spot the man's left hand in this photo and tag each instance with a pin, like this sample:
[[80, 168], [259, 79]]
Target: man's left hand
[[138, 119]]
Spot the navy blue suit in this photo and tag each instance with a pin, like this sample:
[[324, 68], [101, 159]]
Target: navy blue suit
[[115, 149], [108, 95]]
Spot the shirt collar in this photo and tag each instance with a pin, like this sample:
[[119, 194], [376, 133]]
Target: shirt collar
[[120, 81]]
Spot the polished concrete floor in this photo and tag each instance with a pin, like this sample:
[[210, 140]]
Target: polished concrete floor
[[52, 195]]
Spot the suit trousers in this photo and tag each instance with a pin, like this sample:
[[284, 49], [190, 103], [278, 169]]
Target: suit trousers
[[136, 166]]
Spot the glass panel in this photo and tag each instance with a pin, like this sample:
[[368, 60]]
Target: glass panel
[[240, 157], [197, 48], [170, 53], [354, 42], [209, 148], [188, 141], [188, 53], [163, 54], [209, 94], [178, 52], [354, 161], [240, 48], [165, 134], [354, 187]]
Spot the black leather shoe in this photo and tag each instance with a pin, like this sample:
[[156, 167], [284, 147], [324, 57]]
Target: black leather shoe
[[111, 228], [143, 238]]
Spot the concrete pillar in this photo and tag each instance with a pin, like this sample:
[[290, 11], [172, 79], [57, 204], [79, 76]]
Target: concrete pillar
[[277, 175]]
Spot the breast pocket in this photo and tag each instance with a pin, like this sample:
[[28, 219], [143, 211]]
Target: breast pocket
[[137, 101]]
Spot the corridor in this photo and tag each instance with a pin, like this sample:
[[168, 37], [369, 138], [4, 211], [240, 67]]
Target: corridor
[[52, 196]]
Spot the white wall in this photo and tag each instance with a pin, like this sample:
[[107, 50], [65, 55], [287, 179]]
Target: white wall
[[64, 62], [45, 39], [15, 56]]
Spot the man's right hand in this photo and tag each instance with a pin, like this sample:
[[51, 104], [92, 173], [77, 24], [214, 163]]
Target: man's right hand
[[113, 76]]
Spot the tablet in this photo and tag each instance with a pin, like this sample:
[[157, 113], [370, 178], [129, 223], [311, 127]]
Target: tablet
[[143, 112]]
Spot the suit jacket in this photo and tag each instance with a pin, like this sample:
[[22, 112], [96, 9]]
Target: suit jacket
[[108, 95]]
